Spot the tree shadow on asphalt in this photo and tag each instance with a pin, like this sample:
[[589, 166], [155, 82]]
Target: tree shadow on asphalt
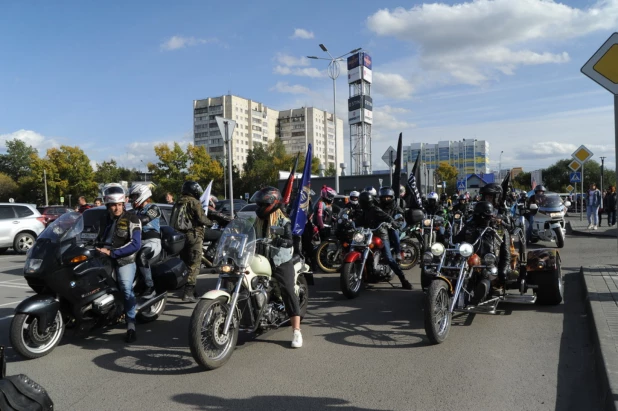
[[264, 402]]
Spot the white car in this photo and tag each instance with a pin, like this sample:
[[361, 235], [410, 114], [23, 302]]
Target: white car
[[20, 225]]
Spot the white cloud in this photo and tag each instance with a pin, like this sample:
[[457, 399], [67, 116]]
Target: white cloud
[[474, 41], [298, 71], [291, 61], [180, 42], [31, 138], [302, 34], [392, 85], [388, 122], [284, 87]]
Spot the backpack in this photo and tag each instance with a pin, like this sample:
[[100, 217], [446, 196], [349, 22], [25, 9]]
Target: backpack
[[181, 220], [18, 392]]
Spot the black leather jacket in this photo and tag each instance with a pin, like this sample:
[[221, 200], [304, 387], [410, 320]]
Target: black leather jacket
[[373, 217]]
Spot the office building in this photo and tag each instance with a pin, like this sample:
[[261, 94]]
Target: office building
[[468, 156]]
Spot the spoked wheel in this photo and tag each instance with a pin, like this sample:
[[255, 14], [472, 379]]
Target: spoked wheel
[[329, 256], [152, 313], [303, 295], [411, 253], [209, 346], [437, 314], [351, 279], [27, 340]]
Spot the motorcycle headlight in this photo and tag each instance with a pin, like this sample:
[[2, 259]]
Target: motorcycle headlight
[[489, 259], [32, 265], [427, 258], [457, 216], [437, 249], [427, 222], [555, 215], [466, 249], [358, 237]]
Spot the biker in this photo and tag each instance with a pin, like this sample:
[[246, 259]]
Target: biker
[[188, 218], [389, 206], [493, 193], [436, 209], [372, 217], [216, 215], [323, 215], [462, 205], [482, 217], [149, 215], [444, 200], [269, 213], [401, 200], [121, 235], [536, 198]]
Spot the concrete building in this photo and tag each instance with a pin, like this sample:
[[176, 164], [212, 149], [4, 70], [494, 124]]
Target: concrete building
[[309, 125], [467, 156]]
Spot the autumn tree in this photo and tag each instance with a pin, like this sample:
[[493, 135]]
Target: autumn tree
[[522, 181], [8, 187], [16, 162], [448, 173], [203, 168]]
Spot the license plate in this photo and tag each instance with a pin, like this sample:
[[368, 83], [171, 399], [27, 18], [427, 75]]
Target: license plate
[[89, 236]]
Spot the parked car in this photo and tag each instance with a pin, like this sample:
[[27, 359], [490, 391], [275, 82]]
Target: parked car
[[223, 206], [52, 212], [20, 225]]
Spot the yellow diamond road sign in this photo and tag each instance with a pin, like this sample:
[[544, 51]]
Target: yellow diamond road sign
[[570, 188], [603, 65], [575, 165], [582, 154]]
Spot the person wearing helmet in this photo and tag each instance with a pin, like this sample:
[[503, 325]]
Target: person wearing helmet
[[149, 214], [371, 217], [433, 207], [269, 214], [482, 217], [493, 193], [536, 198], [463, 206], [389, 205], [323, 215], [120, 233], [188, 218]]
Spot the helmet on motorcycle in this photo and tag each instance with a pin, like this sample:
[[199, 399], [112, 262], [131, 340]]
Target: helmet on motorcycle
[[387, 195], [402, 191], [113, 193], [268, 200], [371, 190], [463, 198], [432, 198], [139, 193], [491, 192], [365, 199], [327, 194], [354, 197], [193, 189], [540, 188]]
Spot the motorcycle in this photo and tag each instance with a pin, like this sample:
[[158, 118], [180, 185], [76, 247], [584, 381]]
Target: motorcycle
[[548, 220], [462, 281], [365, 260], [329, 252], [431, 227], [75, 286], [209, 246], [246, 297]]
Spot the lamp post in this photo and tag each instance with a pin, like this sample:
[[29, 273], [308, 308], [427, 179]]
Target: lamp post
[[602, 163], [500, 166], [45, 180], [333, 73]]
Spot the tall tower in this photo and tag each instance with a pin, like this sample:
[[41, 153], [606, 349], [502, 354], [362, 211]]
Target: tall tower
[[360, 114]]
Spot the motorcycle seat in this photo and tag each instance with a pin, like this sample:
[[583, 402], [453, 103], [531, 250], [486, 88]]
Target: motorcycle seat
[[212, 235]]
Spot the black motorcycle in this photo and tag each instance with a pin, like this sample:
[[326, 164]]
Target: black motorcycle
[[76, 285]]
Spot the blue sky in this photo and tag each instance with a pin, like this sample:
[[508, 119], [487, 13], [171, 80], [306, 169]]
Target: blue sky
[[118, 78]]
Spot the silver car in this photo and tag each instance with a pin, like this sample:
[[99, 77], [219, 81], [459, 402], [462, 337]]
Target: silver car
[[20, 225]]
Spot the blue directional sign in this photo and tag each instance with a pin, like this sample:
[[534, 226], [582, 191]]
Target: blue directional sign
[[576, 177], [461, 185]]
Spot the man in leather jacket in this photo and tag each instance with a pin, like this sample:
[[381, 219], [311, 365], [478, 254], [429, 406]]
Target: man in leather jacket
[[389, 205], [372, 217]]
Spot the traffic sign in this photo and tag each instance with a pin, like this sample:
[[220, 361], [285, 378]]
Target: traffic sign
[[575, 177], [575, 165], [603, 65], [61, 200], [570, 188], [231, 125], [389, 156], [461, 185], [582, 154]]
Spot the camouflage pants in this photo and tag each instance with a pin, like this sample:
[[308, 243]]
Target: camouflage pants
[[192, 254]]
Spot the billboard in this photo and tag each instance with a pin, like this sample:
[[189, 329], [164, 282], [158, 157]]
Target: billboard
[[359, 73], [354, 103], [360, 115], [359, 59]]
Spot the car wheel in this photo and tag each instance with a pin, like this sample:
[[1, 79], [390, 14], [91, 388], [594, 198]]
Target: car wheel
[[23, 242]]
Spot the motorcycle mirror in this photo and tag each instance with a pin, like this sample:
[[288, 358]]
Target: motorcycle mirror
[[534, 207], [276, 230], [567, 203]]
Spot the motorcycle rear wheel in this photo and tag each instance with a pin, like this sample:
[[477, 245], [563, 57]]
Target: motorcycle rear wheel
[[559, 237], [350, 279], [436, 312], [329, 256], [26, 340], [209, 347]]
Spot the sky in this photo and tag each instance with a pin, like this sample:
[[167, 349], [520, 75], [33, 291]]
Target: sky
[[116, 78]]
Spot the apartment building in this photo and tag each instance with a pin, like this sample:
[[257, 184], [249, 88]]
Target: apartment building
[[468, 156]]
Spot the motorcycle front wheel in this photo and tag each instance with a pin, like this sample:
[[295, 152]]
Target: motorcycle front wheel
[[351, 279], [27, 341], [436, 312], [411, 253], [559, 237], [210, 348], [329, 256]]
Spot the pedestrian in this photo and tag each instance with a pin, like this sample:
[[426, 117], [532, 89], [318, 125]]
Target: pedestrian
[[82, 204], [592, 206], [602, 208], [169, 198], [98, 202], [611, 202]]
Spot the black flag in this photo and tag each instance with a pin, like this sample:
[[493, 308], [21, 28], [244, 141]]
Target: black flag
[[414, 181], [397, 172]]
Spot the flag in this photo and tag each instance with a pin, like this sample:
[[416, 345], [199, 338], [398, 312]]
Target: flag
[[287, 190], [300, 207], [397, 172], [533, 183], [505, 184], [414, 181], [206, 197]]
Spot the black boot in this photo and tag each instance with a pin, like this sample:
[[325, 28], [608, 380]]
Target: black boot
[[131, 336], [189, 294], [405, 284]]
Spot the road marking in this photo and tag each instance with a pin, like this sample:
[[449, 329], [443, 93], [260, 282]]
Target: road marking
[[12, 266], [15, 286], [6, 318], [14, 302], [12, 281]]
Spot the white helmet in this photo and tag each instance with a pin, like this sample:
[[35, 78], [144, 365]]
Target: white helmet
[[371, 190], [432, 196], [113, 193], [211, 201], [139, 193], [354, 194], [402, 190]]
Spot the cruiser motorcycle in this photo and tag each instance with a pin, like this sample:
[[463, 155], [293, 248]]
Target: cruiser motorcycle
[[76, 286], [246, 297]]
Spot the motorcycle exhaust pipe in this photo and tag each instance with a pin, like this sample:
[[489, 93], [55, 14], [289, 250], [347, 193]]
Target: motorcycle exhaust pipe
[[150, 302]]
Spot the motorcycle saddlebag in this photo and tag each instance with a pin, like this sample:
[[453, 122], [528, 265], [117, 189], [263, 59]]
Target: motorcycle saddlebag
[[171, 240], [18, 392], [169, 275], [415, 216]]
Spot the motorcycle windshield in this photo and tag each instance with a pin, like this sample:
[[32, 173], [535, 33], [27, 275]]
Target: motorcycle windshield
[[65, 227], [237, 244], [551, 203]]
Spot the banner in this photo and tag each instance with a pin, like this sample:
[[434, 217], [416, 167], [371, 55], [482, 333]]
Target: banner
[[287, 190], [300, 208], [397, 172], [206, 197], [414, 181]]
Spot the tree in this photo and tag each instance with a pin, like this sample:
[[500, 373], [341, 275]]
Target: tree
[[203, 168], [170, 171], [448, 173], [263, 165], [522, 181], [16, 162], [107, 172], [8, 187], [73, 173], [330, 171]]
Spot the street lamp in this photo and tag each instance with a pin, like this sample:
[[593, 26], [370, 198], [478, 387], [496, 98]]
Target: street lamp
[[602, 163], [500, 166], [333, 73]]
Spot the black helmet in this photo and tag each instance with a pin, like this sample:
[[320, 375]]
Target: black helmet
[[365, 199], [540, 187], [385, 193], [268, 200], [443, 197], [371, 190], [483, 209], [491, 188], [193, 189]]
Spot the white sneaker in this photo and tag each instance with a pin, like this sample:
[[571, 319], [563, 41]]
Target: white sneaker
[[297, 340], [590, 226], [594, 227]]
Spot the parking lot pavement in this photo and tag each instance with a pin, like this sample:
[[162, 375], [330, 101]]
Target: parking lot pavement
[[13, 287]]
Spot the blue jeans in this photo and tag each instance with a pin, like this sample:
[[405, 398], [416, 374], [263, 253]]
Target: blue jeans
[[529, 229], [592, 211], [391, 261], [611, 217], [393, 236], [126, 275]]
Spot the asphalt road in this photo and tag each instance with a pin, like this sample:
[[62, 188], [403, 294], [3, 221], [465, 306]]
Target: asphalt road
[[365, 354]]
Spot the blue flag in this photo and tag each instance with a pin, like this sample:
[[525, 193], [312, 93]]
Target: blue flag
[[300, 208]]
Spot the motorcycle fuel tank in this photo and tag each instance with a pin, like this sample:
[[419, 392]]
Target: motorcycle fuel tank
[[260, 265]]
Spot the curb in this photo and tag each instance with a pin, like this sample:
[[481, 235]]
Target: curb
[[606, 353], [586, 233]]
